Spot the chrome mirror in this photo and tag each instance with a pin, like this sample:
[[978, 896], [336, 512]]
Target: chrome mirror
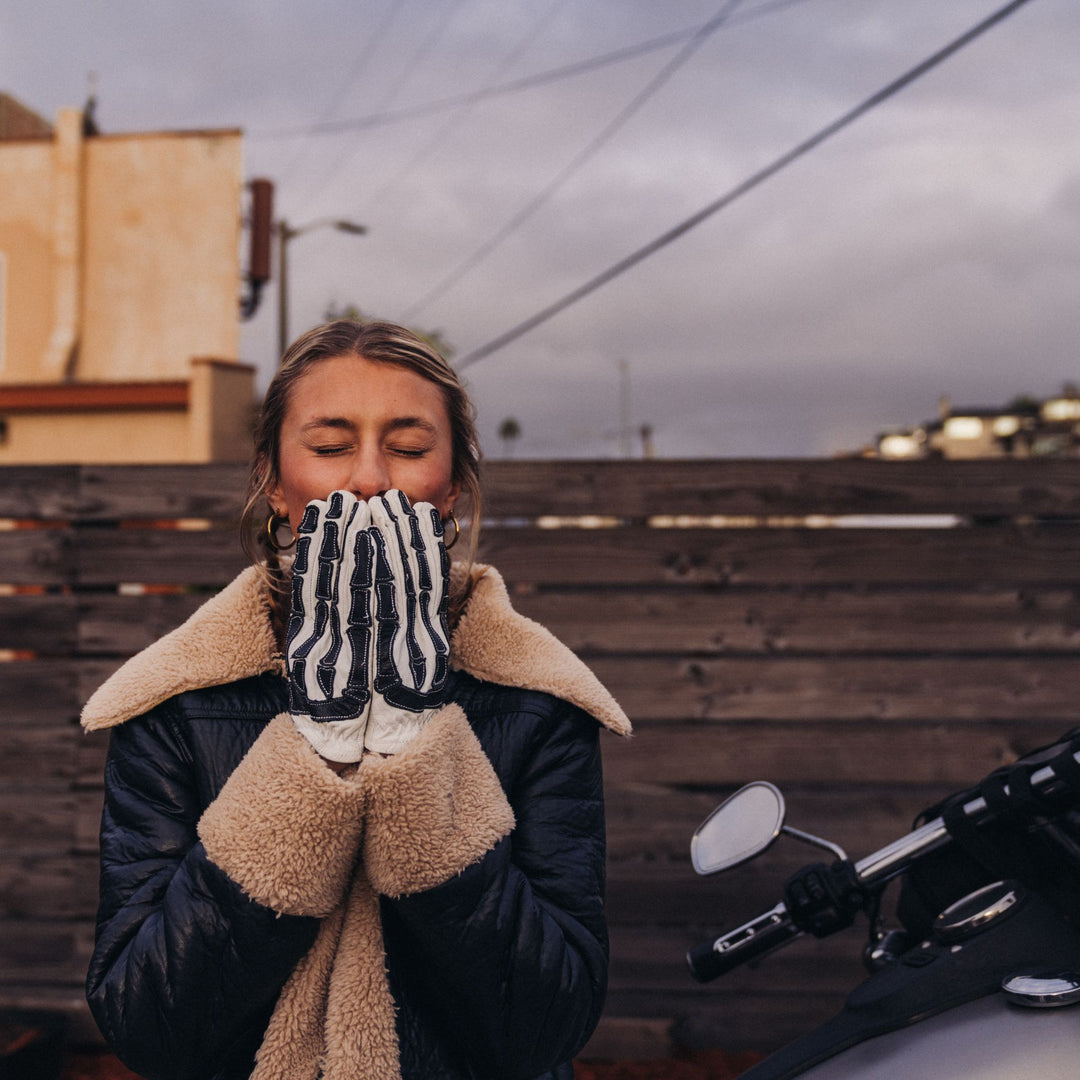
[[741, 827]]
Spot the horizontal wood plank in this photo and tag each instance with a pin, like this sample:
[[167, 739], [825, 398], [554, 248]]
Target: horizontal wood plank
[[133, 492], [37, 819], [696, 621], [844, 688], [48, 492], [784, 487], [818, 753], [640, 557], [830, 620], [44, 952], [48, 885], [633, 489], [38, 693]]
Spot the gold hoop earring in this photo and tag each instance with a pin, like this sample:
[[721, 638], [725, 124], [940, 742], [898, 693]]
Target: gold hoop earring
[[273, 523], [457, 532]]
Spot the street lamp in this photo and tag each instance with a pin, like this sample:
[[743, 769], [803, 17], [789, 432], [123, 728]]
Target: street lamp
[[287, 232]]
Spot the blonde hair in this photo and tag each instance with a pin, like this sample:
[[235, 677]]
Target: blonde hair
[[381, 343]]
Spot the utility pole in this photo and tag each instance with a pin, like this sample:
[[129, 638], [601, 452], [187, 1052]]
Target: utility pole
[[624, 408], [286, 234]]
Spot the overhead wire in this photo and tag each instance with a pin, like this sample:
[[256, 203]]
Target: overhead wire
[[751, 182], [461, 113], [423, 50], [527, 82], [359, 66], [606, 134]]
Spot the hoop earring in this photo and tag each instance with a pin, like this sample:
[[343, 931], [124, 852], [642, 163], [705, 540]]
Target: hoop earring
[[273, 523], [457, 531]]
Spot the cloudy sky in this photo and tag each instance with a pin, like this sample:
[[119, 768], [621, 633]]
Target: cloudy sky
[[504, 153]]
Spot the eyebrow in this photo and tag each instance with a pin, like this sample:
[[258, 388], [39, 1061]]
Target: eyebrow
[[397, 424]]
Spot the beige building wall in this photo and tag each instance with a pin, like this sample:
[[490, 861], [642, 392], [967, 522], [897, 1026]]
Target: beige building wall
[[27, 200], [162, 240], [119, 263]]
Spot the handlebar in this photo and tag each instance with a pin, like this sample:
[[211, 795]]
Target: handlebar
[[775, 928], [751, 941]]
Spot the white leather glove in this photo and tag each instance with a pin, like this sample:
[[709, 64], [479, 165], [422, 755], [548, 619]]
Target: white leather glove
[[367, 648]]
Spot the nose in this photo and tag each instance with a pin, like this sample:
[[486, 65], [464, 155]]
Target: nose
[[370, 475]]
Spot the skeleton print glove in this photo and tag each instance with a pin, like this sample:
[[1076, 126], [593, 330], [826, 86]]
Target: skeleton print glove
[[367, 648]]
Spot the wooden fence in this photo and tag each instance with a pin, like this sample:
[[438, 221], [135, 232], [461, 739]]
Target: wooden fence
[[868, 635]]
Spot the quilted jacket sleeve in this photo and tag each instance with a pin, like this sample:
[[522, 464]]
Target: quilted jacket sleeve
[[509, 946], [186, 965]]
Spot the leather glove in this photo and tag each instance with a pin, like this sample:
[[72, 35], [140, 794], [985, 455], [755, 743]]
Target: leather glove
[[367, 648]]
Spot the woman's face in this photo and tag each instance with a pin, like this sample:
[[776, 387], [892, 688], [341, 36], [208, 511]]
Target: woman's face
[[365, 427]]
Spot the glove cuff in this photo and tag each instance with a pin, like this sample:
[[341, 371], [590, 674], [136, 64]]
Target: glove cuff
[[338, 740], [391, 732]]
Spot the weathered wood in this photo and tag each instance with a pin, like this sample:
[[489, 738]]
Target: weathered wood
[[36, 693], [831, 620], [819, 753], [133, 492], [49, 492], [86, 811], [44, 952], [781, 487], [59, 624], [39, 623], [36, 557], [844, 688], [867, 670], [158, 556], [36, 818], [48, 885], [700, 622], [637, 557], [621, 488], [37, 754]]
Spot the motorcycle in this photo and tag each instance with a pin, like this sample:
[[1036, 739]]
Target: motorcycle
[[986, 989]]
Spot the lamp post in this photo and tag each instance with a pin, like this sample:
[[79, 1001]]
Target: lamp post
[[286, 233]]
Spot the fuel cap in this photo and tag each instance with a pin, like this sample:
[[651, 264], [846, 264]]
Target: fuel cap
[[1045, 990], [976, 911]]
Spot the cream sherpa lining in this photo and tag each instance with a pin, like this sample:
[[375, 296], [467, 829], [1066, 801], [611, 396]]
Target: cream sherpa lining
[[292, 854], [458, 810], [302, 840]]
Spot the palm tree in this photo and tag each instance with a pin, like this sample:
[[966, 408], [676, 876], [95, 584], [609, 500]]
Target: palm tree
[[509, 430]]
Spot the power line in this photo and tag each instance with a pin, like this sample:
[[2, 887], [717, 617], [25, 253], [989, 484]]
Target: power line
[[530, 35], [528, 82], [390, 13], [740, 189], [408, 71], [606, 135]]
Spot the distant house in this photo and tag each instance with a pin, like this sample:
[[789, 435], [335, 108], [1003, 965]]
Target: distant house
[[1026, 428], [119, 292]]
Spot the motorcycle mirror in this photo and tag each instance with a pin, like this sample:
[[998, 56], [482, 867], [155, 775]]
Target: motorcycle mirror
[[742, 826]]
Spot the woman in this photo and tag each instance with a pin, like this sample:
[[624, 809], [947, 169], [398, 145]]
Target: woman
[[353, 821]]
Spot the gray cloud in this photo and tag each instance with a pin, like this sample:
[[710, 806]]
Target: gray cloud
[[933, 247]]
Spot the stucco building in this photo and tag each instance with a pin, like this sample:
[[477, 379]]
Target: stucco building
[[119, 294]]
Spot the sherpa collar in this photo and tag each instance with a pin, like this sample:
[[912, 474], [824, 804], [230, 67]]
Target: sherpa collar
[[230, 638]]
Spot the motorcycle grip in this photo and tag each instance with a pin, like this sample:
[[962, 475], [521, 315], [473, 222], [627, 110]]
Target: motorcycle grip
[[749, 942]]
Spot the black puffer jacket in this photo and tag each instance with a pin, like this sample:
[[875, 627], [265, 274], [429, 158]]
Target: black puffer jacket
[[498, 971]]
